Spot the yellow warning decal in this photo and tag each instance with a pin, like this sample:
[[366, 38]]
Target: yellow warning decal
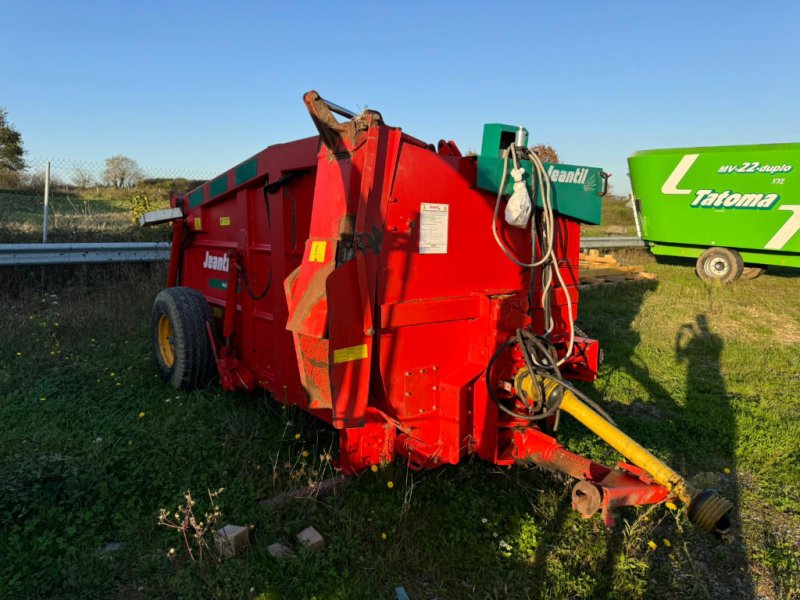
[[198, 223], [224, 221], [352, 353], [317, 253]]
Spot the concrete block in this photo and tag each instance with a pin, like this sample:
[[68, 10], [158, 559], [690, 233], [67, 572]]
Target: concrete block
[[279, 551], [310, 538], [231, 540]]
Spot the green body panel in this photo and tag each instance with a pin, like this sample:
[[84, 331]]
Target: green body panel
[[741, 197], [246, 171], [218, 186], [575, 190], [196, 198]]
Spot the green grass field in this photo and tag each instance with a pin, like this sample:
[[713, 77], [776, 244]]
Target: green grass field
[[617, 219], [93, 444], [106, 216]]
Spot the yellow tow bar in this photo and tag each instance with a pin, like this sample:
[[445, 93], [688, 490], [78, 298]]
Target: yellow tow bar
[[706, 508]]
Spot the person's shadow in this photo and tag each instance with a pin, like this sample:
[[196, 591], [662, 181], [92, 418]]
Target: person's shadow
[[709, 430], [709, 427], [707, 411], [701, 426]]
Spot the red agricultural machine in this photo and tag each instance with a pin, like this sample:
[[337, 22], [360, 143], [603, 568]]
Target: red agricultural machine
[[370, 279]]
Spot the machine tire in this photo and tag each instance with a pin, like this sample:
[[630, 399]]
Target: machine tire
[[752, 272], [180, 340], [719, 264]]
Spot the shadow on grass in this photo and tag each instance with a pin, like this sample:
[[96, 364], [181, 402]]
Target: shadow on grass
[[708, 418], [698, 433]]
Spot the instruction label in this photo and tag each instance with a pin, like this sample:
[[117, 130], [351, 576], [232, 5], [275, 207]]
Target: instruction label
[[433, 222]]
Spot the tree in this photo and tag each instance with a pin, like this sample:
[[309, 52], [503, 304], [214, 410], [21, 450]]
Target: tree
[[82, 178], [11, 152], [122, 171], [547, 153]]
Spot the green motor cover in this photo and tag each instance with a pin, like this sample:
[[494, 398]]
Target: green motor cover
[[576, 190]]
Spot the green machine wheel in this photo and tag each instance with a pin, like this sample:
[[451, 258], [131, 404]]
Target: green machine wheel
[[719, 264]]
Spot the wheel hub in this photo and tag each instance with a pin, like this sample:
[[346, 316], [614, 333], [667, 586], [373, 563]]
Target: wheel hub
[[166, 344], [717, 267]]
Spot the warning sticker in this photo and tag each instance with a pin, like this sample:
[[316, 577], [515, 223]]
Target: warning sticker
[[317, 253], [433, 228], [352, 353]]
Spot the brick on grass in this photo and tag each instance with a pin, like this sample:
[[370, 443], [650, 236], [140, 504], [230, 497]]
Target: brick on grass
[[231, 540], [310, 538]]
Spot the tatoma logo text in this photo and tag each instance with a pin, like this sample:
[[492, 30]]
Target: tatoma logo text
[[729, 199], [216, 263]]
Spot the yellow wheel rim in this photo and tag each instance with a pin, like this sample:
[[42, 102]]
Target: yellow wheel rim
[[166, 346]]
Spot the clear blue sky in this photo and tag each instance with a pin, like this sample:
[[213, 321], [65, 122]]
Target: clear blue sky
[[202, 85]]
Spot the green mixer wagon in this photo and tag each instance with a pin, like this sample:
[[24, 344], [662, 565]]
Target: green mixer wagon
[[736, 209]]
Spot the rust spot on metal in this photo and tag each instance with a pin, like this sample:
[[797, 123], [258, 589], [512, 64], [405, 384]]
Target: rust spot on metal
[[311, 296], [316, 380]]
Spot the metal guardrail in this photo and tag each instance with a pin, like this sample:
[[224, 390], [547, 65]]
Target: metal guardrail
[[613, 242], [113, 252], [74, 254]]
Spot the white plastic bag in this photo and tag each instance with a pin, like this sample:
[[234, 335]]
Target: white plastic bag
[[518, 209]]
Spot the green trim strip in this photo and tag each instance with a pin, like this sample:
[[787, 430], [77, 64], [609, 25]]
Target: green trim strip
[[750, 257], [246, 171], [196, 198], [219, 185]]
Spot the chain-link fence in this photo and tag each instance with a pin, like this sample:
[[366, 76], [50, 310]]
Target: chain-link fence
[[87, 201]]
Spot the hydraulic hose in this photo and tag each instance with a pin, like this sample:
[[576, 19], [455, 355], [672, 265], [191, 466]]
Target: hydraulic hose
[[548, 260]]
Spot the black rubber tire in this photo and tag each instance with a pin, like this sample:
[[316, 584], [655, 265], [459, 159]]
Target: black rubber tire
[[719, 264], [752, 272], [193, 365]]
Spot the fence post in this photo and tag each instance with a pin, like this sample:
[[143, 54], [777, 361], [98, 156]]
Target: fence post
[[46, 201]]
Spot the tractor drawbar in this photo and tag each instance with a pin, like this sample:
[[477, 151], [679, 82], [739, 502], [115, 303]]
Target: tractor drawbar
[[706, 508]]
